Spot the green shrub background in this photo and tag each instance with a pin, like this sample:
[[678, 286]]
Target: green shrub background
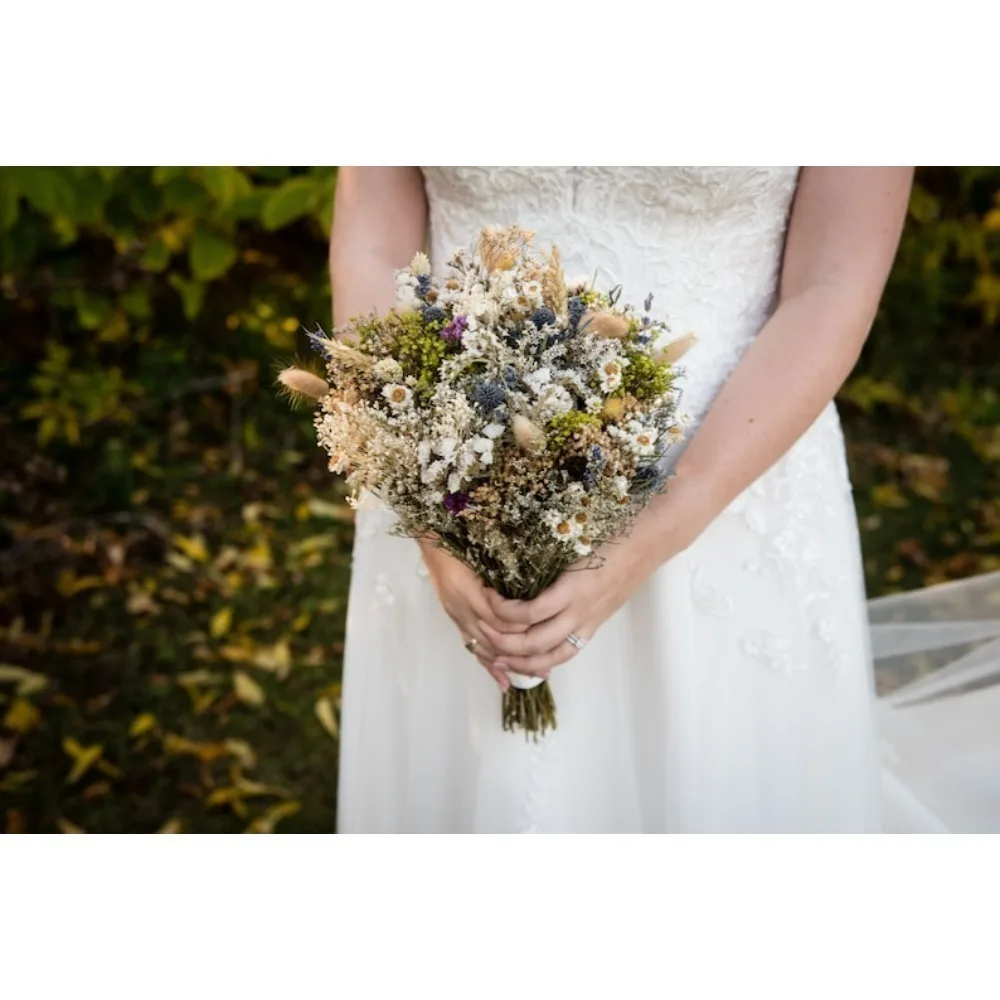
[[174, 559]]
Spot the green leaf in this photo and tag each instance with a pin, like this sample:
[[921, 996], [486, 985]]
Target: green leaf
[[92, 310], [164, 175], [226, 184], [192, 295], [156, 256], [47, 189], [135, 301], [211, 255], [185, 196], [290, 201], [247, 207], [9, 200]]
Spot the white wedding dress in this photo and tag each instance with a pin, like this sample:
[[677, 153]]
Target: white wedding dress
[[735, 691]]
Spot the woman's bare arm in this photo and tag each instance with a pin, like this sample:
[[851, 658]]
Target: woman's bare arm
[[379, 223], [842, 238]]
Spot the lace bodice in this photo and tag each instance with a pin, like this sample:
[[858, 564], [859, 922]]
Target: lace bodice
[[706, 241]]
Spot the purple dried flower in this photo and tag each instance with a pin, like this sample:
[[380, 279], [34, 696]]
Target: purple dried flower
[[648, 304], [455, 503], [454, 330]]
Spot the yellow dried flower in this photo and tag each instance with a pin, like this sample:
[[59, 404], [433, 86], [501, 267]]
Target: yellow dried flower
[[529, 436], [420, 264], [339, 351], [554, 284], [302, 383], [605, 324], [499, 249], [614, 407], [675, 350]]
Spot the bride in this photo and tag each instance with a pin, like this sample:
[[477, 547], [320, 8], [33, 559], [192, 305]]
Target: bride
[[724, 681]]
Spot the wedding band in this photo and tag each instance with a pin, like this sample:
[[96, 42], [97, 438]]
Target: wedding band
[[574, 640], [471, 645]]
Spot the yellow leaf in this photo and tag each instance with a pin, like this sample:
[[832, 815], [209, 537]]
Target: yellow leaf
[[140, 603], [991, 221], [28, 682], [207, 752], [203, 702], [180, 562], [69, 584], [83, 758], [312, 544], [65, 826], [109, 769], [247, 689], [301, 622], [193, 548], [194, 677], [222, 620], [327, 716], [888, 495], [269, 819], [276, 659], [252, 512], [243, 752], [142, 724], [241, 652], [16, 781], [323, 508], [22, 716], [259, 557], [172, 826]]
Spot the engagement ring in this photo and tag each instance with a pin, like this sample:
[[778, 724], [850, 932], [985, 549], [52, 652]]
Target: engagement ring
[[471, 646], [574, 640]]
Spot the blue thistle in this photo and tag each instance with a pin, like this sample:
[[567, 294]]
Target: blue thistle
[[510, 376], [433, 314], [648, 304], [543, 317], [576, 311], [487, 396], [423, 285], [595, 465], [317, 341], [649, 476]]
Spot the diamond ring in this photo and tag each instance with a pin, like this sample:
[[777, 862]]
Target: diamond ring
[[472, 645], [574, 640]]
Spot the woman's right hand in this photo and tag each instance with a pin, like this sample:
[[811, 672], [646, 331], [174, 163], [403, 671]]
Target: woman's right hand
[[463, 597]]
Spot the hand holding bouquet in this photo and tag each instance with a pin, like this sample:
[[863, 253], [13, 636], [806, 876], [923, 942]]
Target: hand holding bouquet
[[518, 420]]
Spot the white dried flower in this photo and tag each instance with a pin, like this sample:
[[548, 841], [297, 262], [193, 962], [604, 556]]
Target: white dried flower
[[532, 291], [406, 298], [554, 400], [420, 264], [399, 397], [483, 447], [537, 380], [494, 430], [610, 374], [388, 369]]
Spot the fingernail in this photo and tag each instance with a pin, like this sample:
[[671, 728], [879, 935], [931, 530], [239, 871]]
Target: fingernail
[[500, 666]]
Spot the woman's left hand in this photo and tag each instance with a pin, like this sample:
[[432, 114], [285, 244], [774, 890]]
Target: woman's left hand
[[583, 598], [578, 603]]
